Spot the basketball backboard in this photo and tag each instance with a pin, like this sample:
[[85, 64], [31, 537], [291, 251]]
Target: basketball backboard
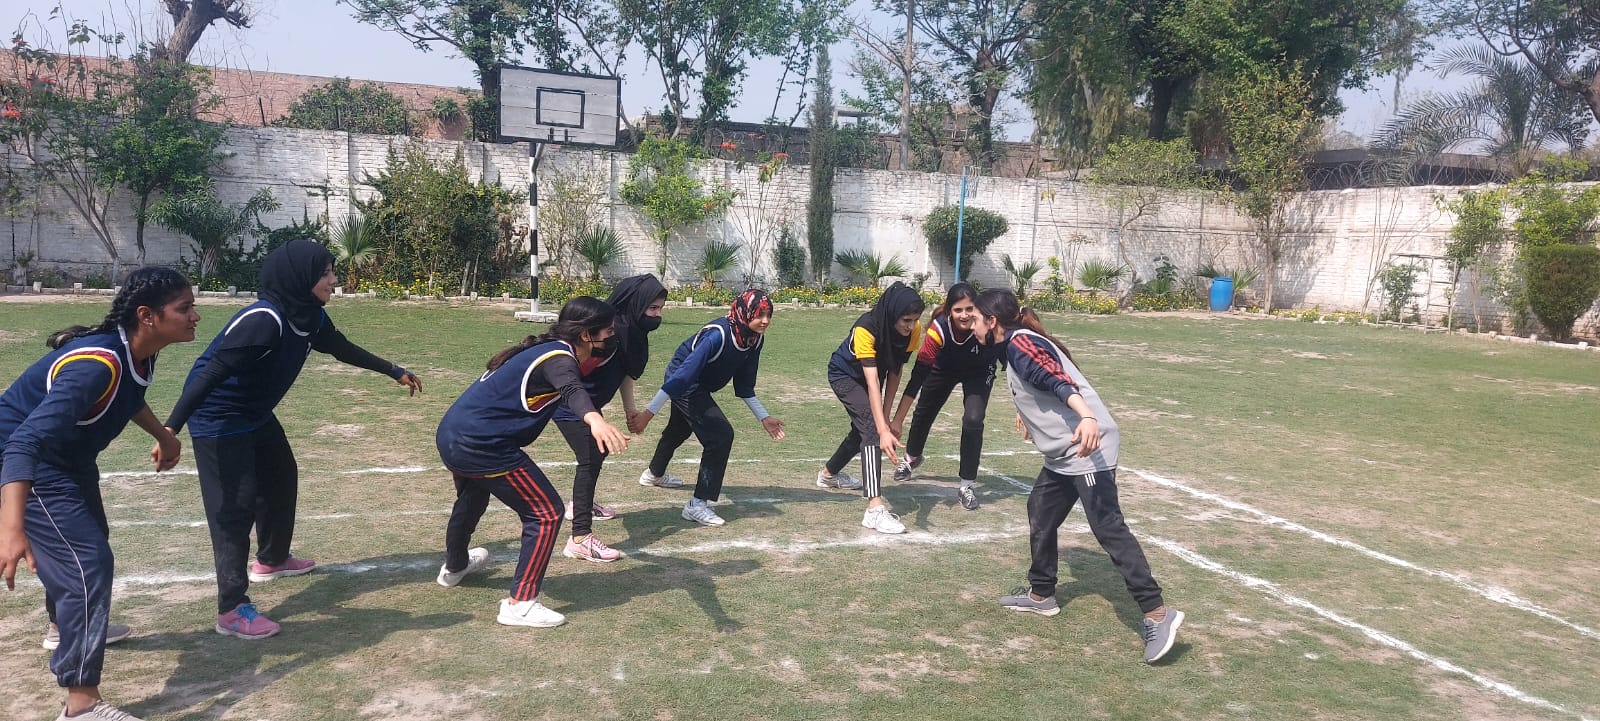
[[546, 106]]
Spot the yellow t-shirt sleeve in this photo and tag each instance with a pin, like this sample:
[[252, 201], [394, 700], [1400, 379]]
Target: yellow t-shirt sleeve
[[864, 346], [916, 339]]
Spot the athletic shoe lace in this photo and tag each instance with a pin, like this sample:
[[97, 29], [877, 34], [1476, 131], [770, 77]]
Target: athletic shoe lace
[[103, 710], [1150, 628], [248, 612]]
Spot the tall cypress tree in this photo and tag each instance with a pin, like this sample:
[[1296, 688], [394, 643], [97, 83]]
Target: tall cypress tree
[[819, 209]]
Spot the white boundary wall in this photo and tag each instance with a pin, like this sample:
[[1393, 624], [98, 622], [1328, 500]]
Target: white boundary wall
[[1341, 237]]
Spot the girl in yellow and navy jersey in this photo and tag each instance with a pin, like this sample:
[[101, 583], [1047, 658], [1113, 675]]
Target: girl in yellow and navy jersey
[[481, 438], [726, 349], [1074, 431], [248, 475], [951, 354], [864, 373], [54, 420]]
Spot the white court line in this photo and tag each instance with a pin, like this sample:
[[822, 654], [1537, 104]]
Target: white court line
[[690, 461], [932, 539], [1492, 593], [1024, 485], [1271, 589]]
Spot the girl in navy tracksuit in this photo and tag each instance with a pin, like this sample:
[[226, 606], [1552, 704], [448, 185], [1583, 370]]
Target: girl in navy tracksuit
[[248, 475], [951, 354], [481, 438], [54, 420], [1072, 428], [638, 301], [864, 372], [726, 349]]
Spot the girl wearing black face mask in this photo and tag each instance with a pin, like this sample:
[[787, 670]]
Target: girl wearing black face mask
[[615, 366]]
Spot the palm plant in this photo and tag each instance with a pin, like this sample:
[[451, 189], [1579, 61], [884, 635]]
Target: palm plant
[[869, 267], [1242, 278], [1098, 276], [210, 224], [718, 258], [1511, 112], [354, 246], [599, 246], [1021, 275]]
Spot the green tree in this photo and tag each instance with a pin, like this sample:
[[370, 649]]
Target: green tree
[[824, 153], [1511, 112], [981, 42], [661, 184], [1137, 176], [599, 246], [340, 105], [488, 33], [1563, 282], [1269, 122], [932, 106], [355, 247], [870, 267], [212, 225], [1480, 217], [1552, 211], [1559, 38]]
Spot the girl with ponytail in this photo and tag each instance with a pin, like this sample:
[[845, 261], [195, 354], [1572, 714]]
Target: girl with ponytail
[[54, 420], [1072, 428], [951, 354], [482, 436], [248, 475]]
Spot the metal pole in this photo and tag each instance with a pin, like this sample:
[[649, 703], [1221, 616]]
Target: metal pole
[[905, 89], [961, 217], [535, 152]]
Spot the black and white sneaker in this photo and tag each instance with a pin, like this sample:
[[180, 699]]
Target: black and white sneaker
[[968, 498], [907, 465]]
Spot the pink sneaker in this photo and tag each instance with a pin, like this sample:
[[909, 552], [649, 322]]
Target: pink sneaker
[[246, 623], [260, 572], [599, 512], [592, 549]]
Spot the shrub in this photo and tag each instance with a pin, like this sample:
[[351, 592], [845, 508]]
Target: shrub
[[1563, 282], [340, 105], [558, 290], [1100, 276], [99, 281], [979, 228], [789, 258], [1396, 282]]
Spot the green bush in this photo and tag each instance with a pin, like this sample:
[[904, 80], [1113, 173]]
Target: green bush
[[99, 281], [1072, 301], [789, 258], [1563, 282], [979, 228], [558, 290], [1396, 282]]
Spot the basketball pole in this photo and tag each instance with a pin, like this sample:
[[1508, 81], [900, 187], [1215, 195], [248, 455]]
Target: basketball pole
[[535, 154]]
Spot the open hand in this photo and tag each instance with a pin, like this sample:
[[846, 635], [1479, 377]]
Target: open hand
[[774, 427]]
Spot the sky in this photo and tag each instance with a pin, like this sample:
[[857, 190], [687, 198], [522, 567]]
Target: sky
[[319, 37]]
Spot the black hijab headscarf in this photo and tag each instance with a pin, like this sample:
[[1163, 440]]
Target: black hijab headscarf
[[897, 301], [631, 297], [287, 276]]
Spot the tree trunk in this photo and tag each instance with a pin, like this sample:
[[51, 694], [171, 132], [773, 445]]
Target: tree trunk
[[189, 22], [138, 227], [1161, 93]]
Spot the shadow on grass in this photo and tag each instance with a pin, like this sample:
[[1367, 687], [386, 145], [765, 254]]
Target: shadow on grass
[[647, 575], [215, 672]]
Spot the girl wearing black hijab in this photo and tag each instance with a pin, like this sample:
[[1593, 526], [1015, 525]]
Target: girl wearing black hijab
[[638, 301], [248, 475], [864, 373]]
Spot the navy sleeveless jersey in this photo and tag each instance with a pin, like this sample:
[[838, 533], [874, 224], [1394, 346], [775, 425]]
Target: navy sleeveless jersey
[[244, 401], [505, 409], [68, 406], [709, 359]]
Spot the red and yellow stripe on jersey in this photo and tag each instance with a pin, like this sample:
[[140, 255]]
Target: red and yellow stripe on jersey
[[91, 355]]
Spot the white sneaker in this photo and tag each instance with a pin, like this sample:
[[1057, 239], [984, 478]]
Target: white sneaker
[[475, 560], [878, 518], [700, 512], [528, 613], [666, 480], [100, 711], [838, 480]]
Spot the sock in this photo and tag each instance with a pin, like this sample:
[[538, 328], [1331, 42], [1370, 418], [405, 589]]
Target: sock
[[966, 483]]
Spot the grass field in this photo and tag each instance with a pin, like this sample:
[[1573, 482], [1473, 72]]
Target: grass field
[[1360, 523]]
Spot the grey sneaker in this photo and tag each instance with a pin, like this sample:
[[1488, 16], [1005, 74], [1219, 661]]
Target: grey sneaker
[[700, 512], [907, 465], [114, 633], [100, 711], [838, 480], [968, 498], [1158, 637], [1021, 600], [665, 480]]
